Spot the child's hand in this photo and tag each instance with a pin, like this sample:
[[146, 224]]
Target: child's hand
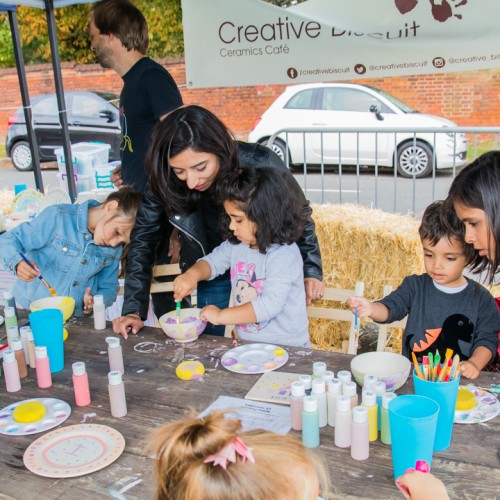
[[88, 302], [365, 307], [416, 485], [25, 272], [469, 370], [184, 285], [210, 314]]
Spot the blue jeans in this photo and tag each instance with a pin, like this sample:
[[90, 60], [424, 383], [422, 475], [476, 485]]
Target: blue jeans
[[217, 293]]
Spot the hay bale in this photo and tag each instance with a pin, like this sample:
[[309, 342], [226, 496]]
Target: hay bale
[[6, 197]]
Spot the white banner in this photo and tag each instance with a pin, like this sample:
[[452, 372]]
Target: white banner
[[250, 42]]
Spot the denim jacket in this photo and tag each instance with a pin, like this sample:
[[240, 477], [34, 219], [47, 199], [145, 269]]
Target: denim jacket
[[59, 242]]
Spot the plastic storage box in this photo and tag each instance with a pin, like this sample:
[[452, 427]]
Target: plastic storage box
[[86, 157], [82, 182]]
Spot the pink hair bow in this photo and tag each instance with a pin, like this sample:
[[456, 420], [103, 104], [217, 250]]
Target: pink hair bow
[[228, 453]]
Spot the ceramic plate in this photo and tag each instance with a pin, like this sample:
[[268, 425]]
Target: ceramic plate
[[56, 196], [56, 412], [74, 451], [29, 199], [1, 319], [487, 407], [254, 358]]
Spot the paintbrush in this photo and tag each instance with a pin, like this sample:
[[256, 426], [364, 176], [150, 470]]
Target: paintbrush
[[455, 367], [418, 371], [444, 368], [431, 366], [49, 288], [425, 362], [356, 328], [178, 312], [437, 360]]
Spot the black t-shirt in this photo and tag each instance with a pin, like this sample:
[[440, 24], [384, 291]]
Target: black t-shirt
[[149, 91]]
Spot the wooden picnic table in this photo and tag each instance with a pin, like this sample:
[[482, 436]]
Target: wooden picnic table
[[469, 468]]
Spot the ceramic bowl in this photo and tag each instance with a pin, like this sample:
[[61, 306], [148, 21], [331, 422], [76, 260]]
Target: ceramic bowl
[[189, 328], [65, 304], [389, 367]]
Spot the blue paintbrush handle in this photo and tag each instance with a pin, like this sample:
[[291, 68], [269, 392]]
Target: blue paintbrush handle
[[29, 264]]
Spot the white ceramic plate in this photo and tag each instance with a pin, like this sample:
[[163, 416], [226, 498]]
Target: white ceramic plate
[[56, 196], [254, 358], [29, 199], [487, 407], [74, 451]]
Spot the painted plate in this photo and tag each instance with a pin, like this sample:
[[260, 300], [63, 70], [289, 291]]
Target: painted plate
[[74, 451], [254, 358], [56, 412], [487, 407], [1, 320], [56, 196], [27, 200]]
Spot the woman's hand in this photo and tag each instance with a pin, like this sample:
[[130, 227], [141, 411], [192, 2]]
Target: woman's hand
[[25, 272], [88, 302], [211, 314], [116, 176], [314, 289], [416, 485], [126, 324], [174, 247]]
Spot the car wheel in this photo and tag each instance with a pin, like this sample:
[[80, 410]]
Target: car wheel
[[278, 146], [21, 156], [414, 159]]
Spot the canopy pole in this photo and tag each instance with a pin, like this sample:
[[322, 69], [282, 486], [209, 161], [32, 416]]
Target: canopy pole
[[23, 86], [61, 102]]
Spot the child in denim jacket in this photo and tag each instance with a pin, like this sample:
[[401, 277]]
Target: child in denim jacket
[[77, 249]]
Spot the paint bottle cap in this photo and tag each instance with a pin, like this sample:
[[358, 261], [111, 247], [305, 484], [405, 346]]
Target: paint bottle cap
[[7, 294], [349, 388], [359, 414], [78, 368], [8, 356], [113, 341], [327, 376], [115, 378], [24, 330], [335, 386], [12, 332], [380, 388], [344, 376], [16, 344], [310, 403], [306, 380], [98, 300], [369, 398], [369, 381], [343, 403], [298, 389], [318, 386], [41, 352], [29, 335], [9, 312], [319, 367], [387, 398]]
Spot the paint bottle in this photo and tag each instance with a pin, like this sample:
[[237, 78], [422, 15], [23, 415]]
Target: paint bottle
[[10, 317], [334, 391], [385, 432], [23, 333], [310, 422], [81, 384], [31, 349], [307, 381], [12, 334], [298, 391], [17, 347], [116, 389], [349, 389], [319, 367], [380, 389], [9, 301], [318, 391], [343, 422], [43, 376], [326, 377], [99, 313], [10, 371], [360, 446], [369, 381], [344, 376], [115, 355], [369, 401]]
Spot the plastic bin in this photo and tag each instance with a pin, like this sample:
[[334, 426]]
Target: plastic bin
[[86, 157], [82, 182], [103, 176]]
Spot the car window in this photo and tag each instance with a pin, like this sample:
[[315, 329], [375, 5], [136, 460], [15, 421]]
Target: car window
[[84, 105], [351, 100], [46, 106], [302, 100]]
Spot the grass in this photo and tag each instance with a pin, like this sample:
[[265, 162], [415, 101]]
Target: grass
[[3, 154], [481, 147]]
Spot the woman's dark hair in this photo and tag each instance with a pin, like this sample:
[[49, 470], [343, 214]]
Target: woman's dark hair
[[478, 186], [188, 127], [266, 197]]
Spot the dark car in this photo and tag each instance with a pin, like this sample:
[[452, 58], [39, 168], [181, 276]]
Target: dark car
[[92, 116]]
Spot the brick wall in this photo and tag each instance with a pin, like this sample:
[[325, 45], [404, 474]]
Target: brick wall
[[469, 98]]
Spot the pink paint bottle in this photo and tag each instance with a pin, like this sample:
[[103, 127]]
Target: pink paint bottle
[[81, 384], [116, 390], [349, 389], [360, 446], [343, 422], [298, 391], [115, 355], [10, 371], [43, 376]]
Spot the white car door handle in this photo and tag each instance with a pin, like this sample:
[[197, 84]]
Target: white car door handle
[[319, 124]]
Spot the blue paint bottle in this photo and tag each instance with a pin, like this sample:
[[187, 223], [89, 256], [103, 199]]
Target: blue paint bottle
[[310, 422], [380, 389]]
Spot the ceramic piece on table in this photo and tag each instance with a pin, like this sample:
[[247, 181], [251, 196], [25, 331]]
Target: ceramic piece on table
[[28, 200], [254, 358]]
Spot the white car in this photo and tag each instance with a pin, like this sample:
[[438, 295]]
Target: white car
[[324, 105]]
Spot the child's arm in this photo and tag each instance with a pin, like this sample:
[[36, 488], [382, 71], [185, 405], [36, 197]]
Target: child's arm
[[473, 366], [186, 282], [374, 310], [244, 314], [417, 485]]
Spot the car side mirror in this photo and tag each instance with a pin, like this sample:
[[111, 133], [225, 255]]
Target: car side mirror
[[108, 114], [375, 109]]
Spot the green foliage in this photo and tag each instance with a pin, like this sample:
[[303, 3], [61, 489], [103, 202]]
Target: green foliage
[[6, 50]]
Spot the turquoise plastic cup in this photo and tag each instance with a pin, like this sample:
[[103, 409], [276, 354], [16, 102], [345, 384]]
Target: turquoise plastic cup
[[47, 327], [445, 394], [412, 422]]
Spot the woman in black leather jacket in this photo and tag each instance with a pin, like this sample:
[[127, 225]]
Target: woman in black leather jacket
[[190, 150]]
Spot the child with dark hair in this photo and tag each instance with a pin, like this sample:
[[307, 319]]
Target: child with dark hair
[[445, 309], [264, 221]]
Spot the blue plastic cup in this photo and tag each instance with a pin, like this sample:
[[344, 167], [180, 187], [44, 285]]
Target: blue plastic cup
[[412, 422], [445, 394], [18, 188], [47, 327]]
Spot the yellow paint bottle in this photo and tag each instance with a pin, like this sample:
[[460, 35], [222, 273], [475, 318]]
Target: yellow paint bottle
[[369, 401]]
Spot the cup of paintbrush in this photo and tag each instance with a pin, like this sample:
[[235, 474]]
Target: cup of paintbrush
[[40, 277]]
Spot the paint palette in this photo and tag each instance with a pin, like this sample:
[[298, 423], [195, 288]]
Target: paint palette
[[74, 451], [487, 407], [32, 416], [254, 358]]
